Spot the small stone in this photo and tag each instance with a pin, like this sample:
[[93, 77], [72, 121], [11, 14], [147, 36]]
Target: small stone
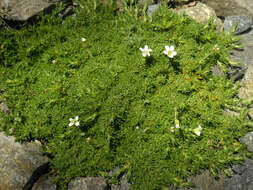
[[238, 168], [4, 108], [248, 140], [88, 140], [94, 183], [152, 9], [243, 23], [38, 142], [11, 131]]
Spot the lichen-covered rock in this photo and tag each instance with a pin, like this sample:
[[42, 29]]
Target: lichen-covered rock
[[22, 10], [18, 162], [88, 183], [201, 13], [241, 22]]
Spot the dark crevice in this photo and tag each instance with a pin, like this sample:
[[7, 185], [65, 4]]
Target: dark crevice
[[41, 170]]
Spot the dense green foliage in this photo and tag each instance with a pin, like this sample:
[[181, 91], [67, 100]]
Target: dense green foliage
[[126, 103]]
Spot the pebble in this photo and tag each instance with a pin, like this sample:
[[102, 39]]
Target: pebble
[[243, 22]]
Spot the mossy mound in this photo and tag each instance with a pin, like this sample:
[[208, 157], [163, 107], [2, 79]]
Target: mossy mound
[[127, 104]]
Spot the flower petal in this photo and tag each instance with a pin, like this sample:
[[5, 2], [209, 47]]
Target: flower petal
[[198, 133], [71, 124], [170, 55], [70, 119], [76, 117], [172, 48], [77, 123]]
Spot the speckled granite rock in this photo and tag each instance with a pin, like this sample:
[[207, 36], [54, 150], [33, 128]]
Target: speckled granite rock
[[242, 22], [17, 162], [88, 183], [201, 13], [22, 10]]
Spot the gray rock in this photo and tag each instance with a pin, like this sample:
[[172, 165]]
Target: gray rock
[[152, 9], [238, 168], [247, 4], [224, 8], [22, 10], [242, 22], [243, 180], [123, 184], [248, 140], [245, 57], [88, 183], [18, 162], [206, 181], [67, 12]]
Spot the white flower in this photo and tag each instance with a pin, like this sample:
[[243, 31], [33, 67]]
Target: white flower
[[145, 51], [198, 130], [74, 121], [169, 51], [172, 129], [83, 40], [177, 123], [216, 47]]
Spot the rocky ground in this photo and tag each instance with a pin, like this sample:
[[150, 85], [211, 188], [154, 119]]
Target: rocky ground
[[22, 163], [226, 8]]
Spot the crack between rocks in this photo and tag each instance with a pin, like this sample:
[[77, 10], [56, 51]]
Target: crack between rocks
[[41, 170]]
